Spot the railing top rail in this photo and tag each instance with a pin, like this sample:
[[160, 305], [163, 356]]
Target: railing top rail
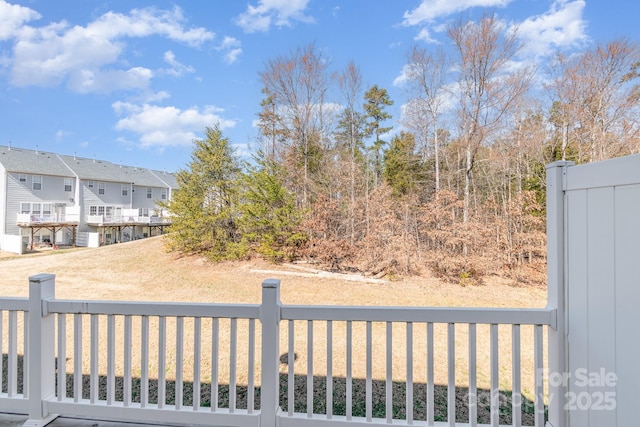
[[510, 316], [239, 311], [14, 303]]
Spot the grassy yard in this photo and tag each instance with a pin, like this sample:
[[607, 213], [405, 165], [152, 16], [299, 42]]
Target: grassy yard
[[143, 271]]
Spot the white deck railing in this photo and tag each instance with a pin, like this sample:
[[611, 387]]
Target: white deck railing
[[51, 218], [200, 363], [127, 219]]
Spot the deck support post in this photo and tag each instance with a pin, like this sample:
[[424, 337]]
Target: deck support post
[[270, 319], [41, 356]]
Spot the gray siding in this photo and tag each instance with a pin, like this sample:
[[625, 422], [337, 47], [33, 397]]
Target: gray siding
[[21, 192], [140, 199], [112, 195]]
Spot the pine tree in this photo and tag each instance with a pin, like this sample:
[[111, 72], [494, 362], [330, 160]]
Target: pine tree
[[376, 100], [402, 165], [269, 217], [204, 209]]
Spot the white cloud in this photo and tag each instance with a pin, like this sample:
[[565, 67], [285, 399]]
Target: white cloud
[[232, 56], [232, 49], [12, 17], [272, 12], [90, 58], [177, 68], [60, 134], [106, 81], [429, 10], [562, 26], [158, 126], [425, 36]]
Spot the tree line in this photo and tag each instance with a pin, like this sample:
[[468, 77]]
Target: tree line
[[456, 189]]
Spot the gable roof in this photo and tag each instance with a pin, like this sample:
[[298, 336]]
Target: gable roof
[[18, 160], [100, 170], [169, 179]]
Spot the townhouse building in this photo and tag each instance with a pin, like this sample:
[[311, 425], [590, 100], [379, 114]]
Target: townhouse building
[[49, 199]]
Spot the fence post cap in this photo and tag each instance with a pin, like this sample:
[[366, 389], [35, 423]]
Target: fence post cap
[[271, 283], [42, 277]]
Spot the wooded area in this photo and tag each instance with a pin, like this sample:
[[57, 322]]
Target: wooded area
[[457, 191]]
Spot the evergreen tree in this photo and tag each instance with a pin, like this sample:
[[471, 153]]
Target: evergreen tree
[[269, 220], [376, 100], [204, 209], [402, 164]]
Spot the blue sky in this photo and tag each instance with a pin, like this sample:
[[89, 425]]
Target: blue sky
[[135, 82]]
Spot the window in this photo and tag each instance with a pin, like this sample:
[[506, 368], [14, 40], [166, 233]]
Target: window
[[22, 177], [25, 208], [90, 184], [37, 182], [124, 189], [67, 184], [143, 212], [149, 193], [101, 187], [164, 194], [93, 210], [100, 210], [36, 208], [46, 209]]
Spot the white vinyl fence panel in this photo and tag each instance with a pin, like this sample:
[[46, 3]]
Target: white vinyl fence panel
[[603, 292]]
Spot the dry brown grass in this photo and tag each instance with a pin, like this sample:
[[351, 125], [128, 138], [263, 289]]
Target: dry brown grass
[[143, 271]]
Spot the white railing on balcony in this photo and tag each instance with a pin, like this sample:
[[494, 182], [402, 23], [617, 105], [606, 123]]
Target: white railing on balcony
[[127, 219], [51, 218], [200, 363]]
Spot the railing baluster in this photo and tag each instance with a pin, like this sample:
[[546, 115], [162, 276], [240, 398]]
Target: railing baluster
[[329, 386], [25, 354], [215, 342], [409, 382], [93, 376], [389, 376], [12, 358], [495, 370], [233, 357], [369, 368], [144, 360], [309, 368], [77, 357], [473, 377], [290, 375], [126, 380], [251, 366], [430, 376], [111, 359], [516, 395], [197, 337], [162, 361], [179, 392], [62, 356], [451, 381], [538, 362], [349, 404]]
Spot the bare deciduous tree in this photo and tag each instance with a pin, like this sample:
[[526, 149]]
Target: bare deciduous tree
[[427, 73], [297, 85], [486, 88]]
